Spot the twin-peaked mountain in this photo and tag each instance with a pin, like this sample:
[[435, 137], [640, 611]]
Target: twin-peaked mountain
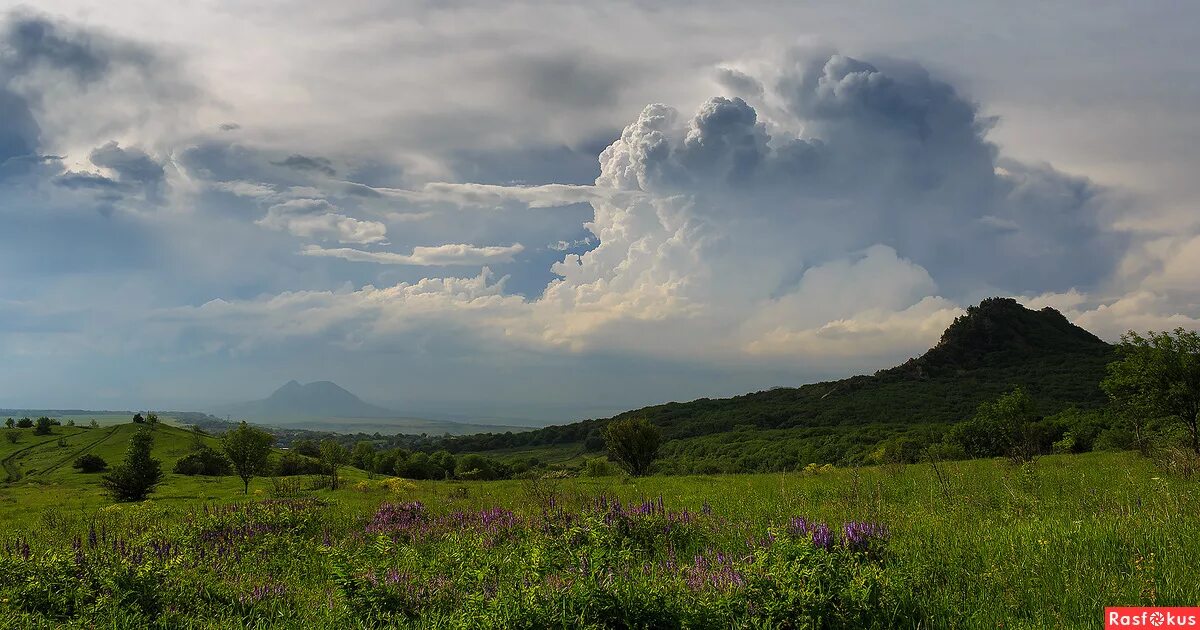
[[321, 399], [326, 406]]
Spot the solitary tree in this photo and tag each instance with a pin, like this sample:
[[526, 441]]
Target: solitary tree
[[1158, 376], [10, 423], [633, 444], [248, 449], [138, 419], [334, 456], [137, 475]]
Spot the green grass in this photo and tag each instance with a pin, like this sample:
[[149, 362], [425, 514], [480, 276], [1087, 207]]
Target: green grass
[[989, 545], [47, 480]]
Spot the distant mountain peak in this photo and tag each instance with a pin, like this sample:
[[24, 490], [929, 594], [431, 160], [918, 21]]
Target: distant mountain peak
[[317, 399], [290, 386], [1001, 325], [294, 388]]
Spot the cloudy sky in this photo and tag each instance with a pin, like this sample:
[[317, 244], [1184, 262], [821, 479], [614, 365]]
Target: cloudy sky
[[560, 210]]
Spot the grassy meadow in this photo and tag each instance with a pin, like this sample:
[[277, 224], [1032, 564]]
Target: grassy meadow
[[970, 544]]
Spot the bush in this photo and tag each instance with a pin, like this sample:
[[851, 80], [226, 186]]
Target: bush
[[307, 447], [292, 463], [286, 487], [478, 467], [903, 450], [24, 423], [42, 427], [1064, 446], [599, 467], [12, 436], [1179, 461], [90, 463], [204, 461]]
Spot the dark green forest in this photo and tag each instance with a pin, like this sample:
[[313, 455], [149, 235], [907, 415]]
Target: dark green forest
[[996, 347]]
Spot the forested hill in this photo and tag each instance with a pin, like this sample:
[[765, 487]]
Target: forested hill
[[996, 346]]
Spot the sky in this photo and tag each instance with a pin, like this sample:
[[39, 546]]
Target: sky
[[552, 211]]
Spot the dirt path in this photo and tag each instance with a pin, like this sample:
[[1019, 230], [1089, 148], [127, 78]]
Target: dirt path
[[13, 472], [78, 452]]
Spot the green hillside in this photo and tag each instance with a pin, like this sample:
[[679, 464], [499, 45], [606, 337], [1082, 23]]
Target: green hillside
[[994, 347], [43, 459], [38, 473]]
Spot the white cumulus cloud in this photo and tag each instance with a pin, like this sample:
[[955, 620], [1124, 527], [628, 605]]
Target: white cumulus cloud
[[319, 219]]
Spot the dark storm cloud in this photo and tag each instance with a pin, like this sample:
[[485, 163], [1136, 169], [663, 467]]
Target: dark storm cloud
[[899, 125], [893, 157], [30, 41], [86, 181], [222, 161], [98, 82], [19, 131], [132, 166], [725, 142], [306, 163]]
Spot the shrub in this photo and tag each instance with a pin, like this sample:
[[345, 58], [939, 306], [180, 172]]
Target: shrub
[[1179, 461], [292, 463], [474, 466], [1064, 446], [90, 463], [204, 461], [307, 447], [42, 427], [285, 487], [24, 423], [599, 467], [12, 436]]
